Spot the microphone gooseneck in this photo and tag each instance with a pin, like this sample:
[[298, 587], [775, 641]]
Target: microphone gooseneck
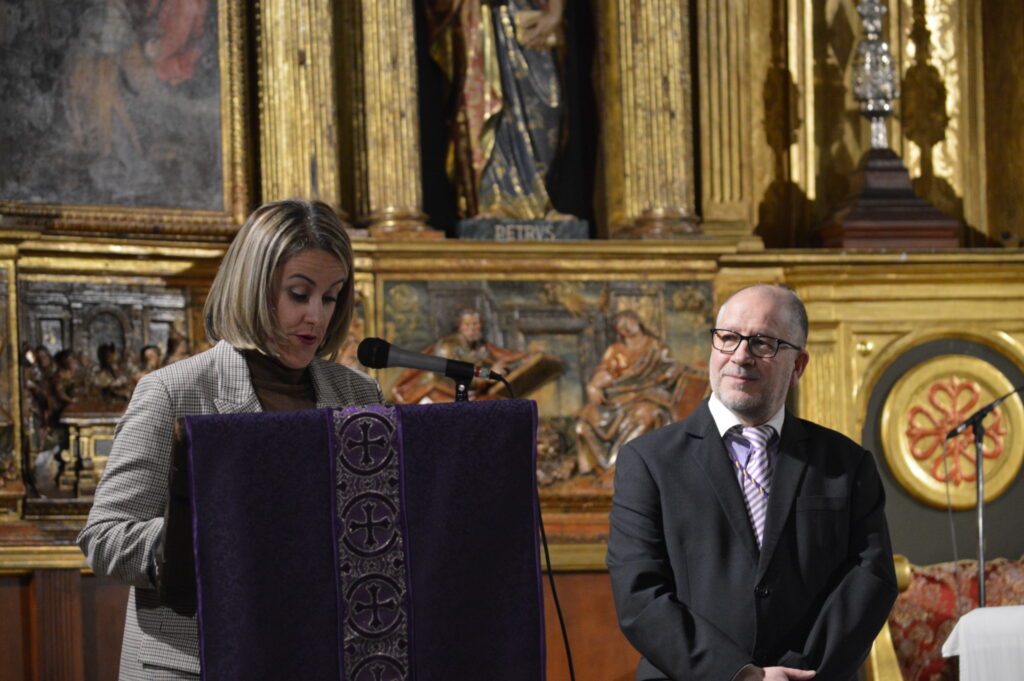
[[976, 418]]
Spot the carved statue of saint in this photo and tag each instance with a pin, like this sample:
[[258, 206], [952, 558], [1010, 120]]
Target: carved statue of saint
[[467, 344], [110, 382], [638, 386], [499, 57], [149, 361], [42, 403], [67, 382], [177, 348]]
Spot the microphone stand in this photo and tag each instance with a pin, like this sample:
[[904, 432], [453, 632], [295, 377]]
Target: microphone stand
[[463, 375], [979, 438], [974, 422]]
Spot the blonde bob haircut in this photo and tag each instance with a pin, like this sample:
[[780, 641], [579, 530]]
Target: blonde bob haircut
[[240, 306]]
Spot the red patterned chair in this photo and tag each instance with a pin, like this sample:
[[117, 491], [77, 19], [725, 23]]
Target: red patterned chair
[[926, 611]]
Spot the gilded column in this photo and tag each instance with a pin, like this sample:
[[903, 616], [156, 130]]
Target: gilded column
[[12, 489], [379, 70], [298, 100], [726, 122], [645, 90]]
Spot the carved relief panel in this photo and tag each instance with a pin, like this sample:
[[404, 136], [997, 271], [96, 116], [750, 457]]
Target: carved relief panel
[[84, 344], [606, 360]]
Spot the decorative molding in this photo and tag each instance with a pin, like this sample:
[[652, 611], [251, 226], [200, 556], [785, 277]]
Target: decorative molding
[[577, 557], [24, 559], [821, 398], [929, 400]]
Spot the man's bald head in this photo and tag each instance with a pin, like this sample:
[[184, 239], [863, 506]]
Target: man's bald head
[[796, 313]]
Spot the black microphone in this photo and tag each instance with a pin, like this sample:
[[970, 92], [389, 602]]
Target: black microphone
[[977, 416], [376, 353]]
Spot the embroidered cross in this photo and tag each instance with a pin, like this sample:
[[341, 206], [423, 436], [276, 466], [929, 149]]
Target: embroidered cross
[[369, 524], [366, 443], [375, 605]]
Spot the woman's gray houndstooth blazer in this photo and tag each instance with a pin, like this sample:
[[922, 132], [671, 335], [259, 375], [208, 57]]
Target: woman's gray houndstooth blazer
[[127, 517]]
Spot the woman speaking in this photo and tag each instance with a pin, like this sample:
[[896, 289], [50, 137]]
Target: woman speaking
[[280, 303]]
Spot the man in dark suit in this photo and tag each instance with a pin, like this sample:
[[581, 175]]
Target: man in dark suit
[[747, 543]]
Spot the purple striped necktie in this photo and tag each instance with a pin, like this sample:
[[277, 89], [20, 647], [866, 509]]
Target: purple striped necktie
[[757, 475]]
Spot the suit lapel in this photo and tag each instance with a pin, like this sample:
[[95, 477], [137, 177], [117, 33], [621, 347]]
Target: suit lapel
[[235, 393], [789, 470], [714, 461]]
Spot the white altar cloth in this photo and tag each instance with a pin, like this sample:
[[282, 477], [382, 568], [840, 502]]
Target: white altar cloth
[[990, 643]]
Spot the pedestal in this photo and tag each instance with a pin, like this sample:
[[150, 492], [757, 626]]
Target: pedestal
[[884, 211], [522, 230]]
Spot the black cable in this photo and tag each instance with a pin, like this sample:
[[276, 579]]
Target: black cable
[[511, 392], [952, 529], [554, 593], [551, 574]]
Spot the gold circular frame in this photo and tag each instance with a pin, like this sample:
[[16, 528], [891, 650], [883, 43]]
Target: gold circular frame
[[926, 403]]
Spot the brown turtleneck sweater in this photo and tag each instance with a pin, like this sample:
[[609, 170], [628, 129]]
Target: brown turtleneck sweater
[[277, 387]]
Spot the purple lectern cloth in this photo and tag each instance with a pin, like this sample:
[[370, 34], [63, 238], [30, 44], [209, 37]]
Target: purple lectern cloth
[[263, 546], [470, 499], [424, 569]]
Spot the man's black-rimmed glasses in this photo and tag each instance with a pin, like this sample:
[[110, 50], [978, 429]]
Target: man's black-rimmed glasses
[[759, 345]]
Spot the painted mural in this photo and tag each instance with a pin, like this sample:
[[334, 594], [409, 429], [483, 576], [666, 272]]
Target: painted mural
[[111, 102]]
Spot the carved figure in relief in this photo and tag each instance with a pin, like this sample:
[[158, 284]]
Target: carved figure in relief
[[177, 348], [499, 57], [39, 414], [553, 462], [111, 383], [67, 382], [467, 344], [44, 360], [636, 387], [41, 403], [347, 353], [149, 360]]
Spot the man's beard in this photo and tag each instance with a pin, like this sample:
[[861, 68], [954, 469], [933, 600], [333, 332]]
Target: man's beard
[[746, 404]]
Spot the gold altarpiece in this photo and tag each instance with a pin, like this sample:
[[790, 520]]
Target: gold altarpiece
[[868, 311], [768, 96], [728, 134], [744, 142]]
